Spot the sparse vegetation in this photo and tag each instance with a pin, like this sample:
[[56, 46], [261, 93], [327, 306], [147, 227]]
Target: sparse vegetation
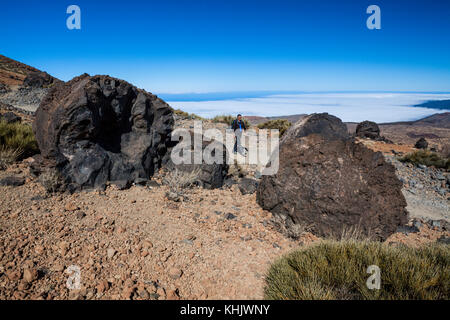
[[18, 138], [281, 124], [51, 180], [178, 181], [427, 158], [8, 156], [337, 270], [186, 115], [228, 119]]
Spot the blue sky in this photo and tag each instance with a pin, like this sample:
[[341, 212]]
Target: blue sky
[[211, 46]]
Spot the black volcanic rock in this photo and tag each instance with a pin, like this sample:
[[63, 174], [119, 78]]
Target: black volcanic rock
[[326, 125], [329, 184], [422, 143], [10, 117], [39, 79], [368, 129], [210, 175], [98, 129]]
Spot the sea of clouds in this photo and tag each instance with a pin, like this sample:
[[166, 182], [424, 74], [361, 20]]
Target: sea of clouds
[[350, 107]]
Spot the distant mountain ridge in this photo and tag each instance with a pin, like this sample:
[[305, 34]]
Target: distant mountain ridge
[[435, 104], [15, 73], [23, 86]]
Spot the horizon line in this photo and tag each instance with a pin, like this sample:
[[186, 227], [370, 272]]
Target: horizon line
[[242, 94]]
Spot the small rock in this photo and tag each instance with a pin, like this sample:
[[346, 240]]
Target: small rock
[[122, 184], [143, 294], [173, 196], [230, 216], [12, 181], [80, 215], [175, 273], [102, 286], [71, 207], [29, 275], [110, 253], [408, 229], [417, 224], [173, 295]]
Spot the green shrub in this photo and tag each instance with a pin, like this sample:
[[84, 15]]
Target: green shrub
[[427, 158], [187, 115], [18, 137], [228, 119], [281, 124], [338, 270]]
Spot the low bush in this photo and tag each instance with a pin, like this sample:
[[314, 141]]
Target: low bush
[[427, 158], [51, 180], [177, 180], [228, 119], [8, 156], [186, 115], [281, 124], [338, 270], [19, 138]]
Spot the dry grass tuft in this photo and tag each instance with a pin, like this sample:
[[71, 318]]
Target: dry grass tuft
[[8, 156], [427, 158], [18, 136], [186, 115], [228, 119], [281, 124], [338, 270], [51, 180], [177, 180]]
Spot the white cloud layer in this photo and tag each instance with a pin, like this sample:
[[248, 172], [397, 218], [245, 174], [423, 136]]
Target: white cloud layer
[[350, 107]]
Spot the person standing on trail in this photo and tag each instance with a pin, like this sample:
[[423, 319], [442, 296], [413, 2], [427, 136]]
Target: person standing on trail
[[238, 127]]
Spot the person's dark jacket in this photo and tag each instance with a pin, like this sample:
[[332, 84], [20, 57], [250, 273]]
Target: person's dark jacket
[[235, 125]]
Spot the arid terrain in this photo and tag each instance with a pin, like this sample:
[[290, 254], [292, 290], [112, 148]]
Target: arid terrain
[[143, 243]]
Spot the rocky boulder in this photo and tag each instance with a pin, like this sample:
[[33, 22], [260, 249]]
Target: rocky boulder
[[368, 129], [329, 127], [209, 175], [328, 184], [97, 129], [248, 185], [421, 144]]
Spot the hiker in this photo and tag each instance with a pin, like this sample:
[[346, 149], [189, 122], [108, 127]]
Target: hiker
[[238, 127]]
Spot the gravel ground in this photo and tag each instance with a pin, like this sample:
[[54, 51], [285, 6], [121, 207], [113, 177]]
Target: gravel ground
[[136, 244], [27, 99], [214, 245], [426, 190]]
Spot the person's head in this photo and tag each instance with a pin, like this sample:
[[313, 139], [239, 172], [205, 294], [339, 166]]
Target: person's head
[[239, 117]]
